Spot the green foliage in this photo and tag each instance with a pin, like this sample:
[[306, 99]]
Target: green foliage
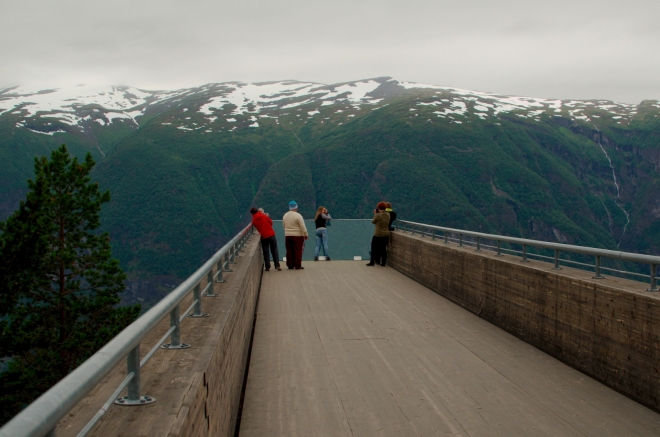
[[60, 286], [180, 193]]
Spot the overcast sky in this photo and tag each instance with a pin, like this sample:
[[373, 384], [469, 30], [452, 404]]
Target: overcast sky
[[579, 49]]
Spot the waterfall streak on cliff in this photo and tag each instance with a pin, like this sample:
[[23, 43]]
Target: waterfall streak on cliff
[[609, 217], [617, 188]]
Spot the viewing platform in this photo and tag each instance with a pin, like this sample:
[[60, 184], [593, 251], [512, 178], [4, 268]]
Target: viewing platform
[[342, 349], [449, 339]]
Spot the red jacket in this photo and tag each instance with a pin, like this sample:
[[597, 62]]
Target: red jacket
[[264, 225]]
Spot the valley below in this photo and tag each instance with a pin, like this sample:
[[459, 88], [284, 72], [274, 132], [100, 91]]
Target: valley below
[[185, 166]]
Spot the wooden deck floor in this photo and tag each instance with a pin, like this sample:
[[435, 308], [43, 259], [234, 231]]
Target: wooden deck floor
[[342, 349]]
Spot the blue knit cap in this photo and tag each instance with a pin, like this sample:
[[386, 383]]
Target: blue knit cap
[[292, 205]]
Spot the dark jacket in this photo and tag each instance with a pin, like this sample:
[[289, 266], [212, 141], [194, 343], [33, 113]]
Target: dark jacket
[[392, 217], [321, 220]]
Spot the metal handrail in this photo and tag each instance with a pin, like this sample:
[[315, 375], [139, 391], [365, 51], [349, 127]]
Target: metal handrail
[[651, 260], [41, 417]]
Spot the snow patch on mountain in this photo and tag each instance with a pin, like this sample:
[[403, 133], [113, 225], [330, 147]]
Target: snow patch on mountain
[[240, 103]]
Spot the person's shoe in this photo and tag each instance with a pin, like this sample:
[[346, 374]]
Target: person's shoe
[[300, 268], [371, 264], [382, 265], [316, 258], [327, 258], [290, 268], [268, 270], [278, 268]]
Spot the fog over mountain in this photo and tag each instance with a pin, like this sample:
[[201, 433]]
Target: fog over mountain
[[561, 49]]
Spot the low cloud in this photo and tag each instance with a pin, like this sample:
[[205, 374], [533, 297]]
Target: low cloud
[[556, 49]]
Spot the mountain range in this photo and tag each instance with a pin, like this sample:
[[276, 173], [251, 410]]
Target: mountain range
[[185, 166]]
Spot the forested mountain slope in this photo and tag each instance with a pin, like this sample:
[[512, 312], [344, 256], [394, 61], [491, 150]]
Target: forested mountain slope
[[185, 166]]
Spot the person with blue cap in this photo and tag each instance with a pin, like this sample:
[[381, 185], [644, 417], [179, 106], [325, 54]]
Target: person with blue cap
[[295, 234]]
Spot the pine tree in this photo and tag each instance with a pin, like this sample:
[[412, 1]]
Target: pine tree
[[59, 286]]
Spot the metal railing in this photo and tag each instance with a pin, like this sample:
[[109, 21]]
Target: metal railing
[[41, 417], [458, 235]]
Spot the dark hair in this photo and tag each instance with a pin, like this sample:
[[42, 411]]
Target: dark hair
[[253, 211]]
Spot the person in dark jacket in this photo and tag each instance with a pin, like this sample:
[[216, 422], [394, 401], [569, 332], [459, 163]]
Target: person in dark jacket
[[381, 236], [388, 209], [264, 225], [321, 220]]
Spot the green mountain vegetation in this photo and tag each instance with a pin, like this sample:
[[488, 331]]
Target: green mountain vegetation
[[183, 182]]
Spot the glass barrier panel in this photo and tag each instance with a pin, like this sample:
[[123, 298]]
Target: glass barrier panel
[[347, 239]]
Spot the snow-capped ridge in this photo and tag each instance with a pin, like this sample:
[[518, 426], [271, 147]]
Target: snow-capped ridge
[[238, 103]]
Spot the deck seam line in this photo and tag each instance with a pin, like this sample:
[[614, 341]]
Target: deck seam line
[[334, 381], [518, 388]]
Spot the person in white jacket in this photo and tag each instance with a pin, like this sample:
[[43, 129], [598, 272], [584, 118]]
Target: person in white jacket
[[295, 234]]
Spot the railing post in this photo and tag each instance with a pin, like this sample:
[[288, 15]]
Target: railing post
[[227, 262], [525, 260], [446, 239], [175, 337], [460, 240], [598, 275], [209, 280], [478, 244], [423, 231], [219, 267], [556, 267], [413, 229], [133, 395], [432, 234], [654, 281], [197, 295], [499, 248], [232, 257]]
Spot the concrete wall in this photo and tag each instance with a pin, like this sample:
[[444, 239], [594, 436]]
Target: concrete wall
[[217, 395], [608, 329], [197, 390]]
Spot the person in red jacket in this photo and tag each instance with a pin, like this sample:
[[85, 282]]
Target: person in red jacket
[[264, 225]]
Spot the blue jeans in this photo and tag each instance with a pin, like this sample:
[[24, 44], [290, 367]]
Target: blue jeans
[[321, 238]]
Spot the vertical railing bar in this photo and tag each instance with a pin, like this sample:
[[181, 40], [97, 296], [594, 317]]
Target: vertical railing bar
[[524, 259], [227, 262], [232, 257], [175, 336], [133, 396], [478, 244], [460, 240], [654, 278], [499, 248], [597, 266], [446, 240], [556, 267], [210, 286], [197, 296]]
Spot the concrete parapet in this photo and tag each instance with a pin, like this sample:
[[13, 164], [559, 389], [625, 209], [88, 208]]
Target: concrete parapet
[[608, 328], [198, 389]]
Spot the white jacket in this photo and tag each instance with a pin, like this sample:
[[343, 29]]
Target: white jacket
[[294, 225]]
